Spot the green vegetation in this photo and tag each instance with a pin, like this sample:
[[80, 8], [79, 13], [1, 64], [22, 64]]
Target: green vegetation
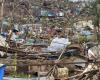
[[21, 75]]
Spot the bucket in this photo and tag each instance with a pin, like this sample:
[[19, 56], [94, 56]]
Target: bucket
[[2, 68]]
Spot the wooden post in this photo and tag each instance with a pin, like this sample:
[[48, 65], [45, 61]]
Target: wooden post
[[29, 69], [98, 26]]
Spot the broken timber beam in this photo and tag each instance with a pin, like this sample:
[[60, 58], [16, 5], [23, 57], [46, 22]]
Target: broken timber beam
[[9, 62]]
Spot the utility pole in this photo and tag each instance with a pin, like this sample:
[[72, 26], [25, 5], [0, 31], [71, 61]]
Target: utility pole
[[98, 26], [2, 9]]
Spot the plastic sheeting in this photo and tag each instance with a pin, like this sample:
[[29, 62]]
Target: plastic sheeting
[[41, 78]]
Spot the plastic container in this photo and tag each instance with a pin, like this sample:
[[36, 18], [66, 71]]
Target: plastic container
[[2, 68]]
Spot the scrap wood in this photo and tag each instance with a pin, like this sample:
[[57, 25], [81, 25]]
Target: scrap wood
[[51, 71], [81, 74], [82, 57], [31, 54], [88, 76], [12, 50], [39, 62]]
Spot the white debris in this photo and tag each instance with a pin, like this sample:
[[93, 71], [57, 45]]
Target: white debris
[[94, 52], [81, 60], [90, 67], [3, 42], [1, 65]]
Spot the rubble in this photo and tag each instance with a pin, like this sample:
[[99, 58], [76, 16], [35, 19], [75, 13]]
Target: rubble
[[49, 38]]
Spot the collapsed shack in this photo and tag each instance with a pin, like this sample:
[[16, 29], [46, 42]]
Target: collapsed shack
[[34, 62]]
